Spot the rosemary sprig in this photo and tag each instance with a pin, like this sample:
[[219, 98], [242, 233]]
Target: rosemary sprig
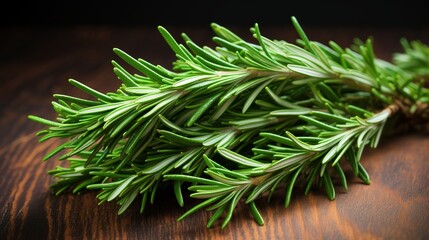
[[236, 121]]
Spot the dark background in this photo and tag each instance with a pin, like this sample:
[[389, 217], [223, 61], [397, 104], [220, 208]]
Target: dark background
[[243, 13]]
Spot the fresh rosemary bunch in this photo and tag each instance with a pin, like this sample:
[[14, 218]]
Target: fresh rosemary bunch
[[236, 122]]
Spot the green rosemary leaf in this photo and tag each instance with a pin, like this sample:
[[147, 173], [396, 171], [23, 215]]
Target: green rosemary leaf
[[230, 173], [71, 99], [254, 95], [202, 109], [216, 216], [199, 206], [174, 127], [82, 186], [191, 80], [359, 78], [44, 121], [104, 185], [153, 192], [178, 192], [130, 199], [291, 112], [188, 178], [291, 185], [299, 143], [331, 117], [281, 101], [90, 91], [300, 32], [311, 72], [341, 152], [56, 151], [222, 202], [225, 33], [153, 168], [188, 156], [143, 202], [176, 138], [138, 65], [363, 174], [101, 108], [342, 176], [212, 140], [124, 77], [118, 112], [233, 203], [227, 45], [255, 213], [311, 178], [376, 139], [329, 186], [318, 123], [321, 55], [171, 42], [62, 108], [288, 161], [222, 108], [238, 158], [262, 186], [277, 138], [359, 111], [212, 193], [121, 188], [208, 56], [225, 179]]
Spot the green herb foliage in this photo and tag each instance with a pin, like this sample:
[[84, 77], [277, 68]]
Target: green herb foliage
[[235, 122]]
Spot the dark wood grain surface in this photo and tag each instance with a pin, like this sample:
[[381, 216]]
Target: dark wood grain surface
[[35, 63]]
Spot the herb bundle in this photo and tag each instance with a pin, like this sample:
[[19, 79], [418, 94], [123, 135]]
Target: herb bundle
[[235, 122]]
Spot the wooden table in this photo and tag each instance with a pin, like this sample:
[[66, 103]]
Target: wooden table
[[35, 63]]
